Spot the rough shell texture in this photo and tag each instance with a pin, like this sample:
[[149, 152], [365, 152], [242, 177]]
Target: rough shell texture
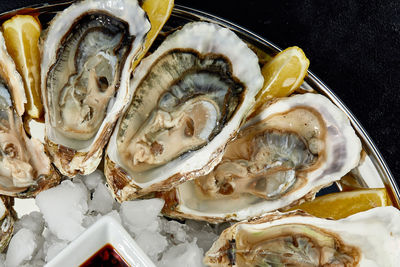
[[12, 78], [374, 233], [25, 169], [7, 219], [339, 153], [207, 41], [69, 155]]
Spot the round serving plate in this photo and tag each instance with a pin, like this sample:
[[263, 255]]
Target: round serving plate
[[372, 173]]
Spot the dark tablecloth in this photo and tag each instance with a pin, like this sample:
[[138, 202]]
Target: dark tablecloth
[[353, 46]]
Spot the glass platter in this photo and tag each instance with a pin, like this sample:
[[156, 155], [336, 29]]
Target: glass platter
[[372, 173]]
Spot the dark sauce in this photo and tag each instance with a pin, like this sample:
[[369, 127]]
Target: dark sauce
[[107, 256]]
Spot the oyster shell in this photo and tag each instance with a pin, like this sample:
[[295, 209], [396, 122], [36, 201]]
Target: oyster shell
[[369, 238], [190, 97], [285, 153], [10, 76], [25, 169], [85, 70], [7, 219]]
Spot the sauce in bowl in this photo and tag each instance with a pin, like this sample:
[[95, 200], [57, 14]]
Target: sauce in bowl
[[106, 256]]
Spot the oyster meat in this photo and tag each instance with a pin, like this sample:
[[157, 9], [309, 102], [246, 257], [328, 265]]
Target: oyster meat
[[369, 238], [25, 169], [190, 97], [282, 155], [85, 69]]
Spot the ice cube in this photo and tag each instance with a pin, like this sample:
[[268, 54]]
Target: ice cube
[[34, 263], [203, 232], [176, 232], [92, 180], [90, 219], [39, 255], [21, 247], [183, 255], [33, 221], [141, 214], [52, 245], [63, 208], [152, 243], [102, 200]]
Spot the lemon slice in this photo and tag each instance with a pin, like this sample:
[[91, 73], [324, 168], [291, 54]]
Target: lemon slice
[[21, 35], [158, 13], [283, 74], [343, 204]]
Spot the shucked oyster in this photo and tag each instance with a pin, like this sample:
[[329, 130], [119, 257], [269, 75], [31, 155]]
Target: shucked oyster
[[190, 97], [370, 238], [7, 218], [25, 169], [284, 154], [85, 70]]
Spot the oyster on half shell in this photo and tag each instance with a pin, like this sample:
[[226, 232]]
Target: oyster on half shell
[[86, 65], [282, 155], [7, 219], [190, 97], [25, 169], [370, 238]]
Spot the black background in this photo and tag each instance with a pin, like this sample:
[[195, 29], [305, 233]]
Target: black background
[[353, 46]]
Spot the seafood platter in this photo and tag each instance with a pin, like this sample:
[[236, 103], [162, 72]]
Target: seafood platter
[[146, 107]]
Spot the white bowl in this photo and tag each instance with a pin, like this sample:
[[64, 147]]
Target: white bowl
[[105, 231]]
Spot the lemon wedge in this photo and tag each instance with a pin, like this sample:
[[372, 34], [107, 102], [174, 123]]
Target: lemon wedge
[[343, 204], [283, 74], [21, 35], [158, 13]]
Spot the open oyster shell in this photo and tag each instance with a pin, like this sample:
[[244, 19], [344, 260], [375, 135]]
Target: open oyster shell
[[7, 219], [11, 77], [285, 153], [85, 69], [369, 238], [190, 97], [25, 169]]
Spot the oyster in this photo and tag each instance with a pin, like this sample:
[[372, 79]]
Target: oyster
[[11, 77], [285, 153], [7, 219], [369, 238], [25, 169], [190, 97], [85, 69]]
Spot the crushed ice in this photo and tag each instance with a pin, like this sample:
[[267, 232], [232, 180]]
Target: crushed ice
[[68, 209]]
